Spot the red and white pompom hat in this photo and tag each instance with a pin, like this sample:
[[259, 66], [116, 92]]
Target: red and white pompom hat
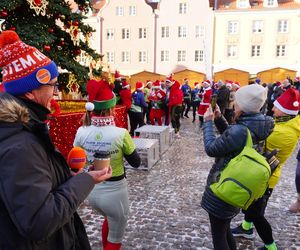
[[156, 85], [139, 86], [125, 85], [288, 102]]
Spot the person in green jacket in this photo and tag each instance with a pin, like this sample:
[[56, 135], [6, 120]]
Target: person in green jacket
[[284, 138]]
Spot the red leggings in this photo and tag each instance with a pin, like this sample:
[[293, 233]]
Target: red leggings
[[156, 114]]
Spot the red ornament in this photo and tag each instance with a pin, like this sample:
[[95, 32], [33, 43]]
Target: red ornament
[[62, 43], [47, 47], [81, 8], [3, 14], [37, 2], [77, 52], [75, 23], [50, 30], [12, 28]]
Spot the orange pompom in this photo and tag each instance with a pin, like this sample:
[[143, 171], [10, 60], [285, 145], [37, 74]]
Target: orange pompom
[[8, 37], [76, 158]]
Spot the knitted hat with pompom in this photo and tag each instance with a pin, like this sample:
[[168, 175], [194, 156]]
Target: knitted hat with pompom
[[24, 68]]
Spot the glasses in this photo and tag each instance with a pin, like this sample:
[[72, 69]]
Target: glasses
[[55, 85]]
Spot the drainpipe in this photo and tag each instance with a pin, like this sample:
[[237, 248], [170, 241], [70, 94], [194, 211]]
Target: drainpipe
[[101, 35], [216, 5], [155, 41]]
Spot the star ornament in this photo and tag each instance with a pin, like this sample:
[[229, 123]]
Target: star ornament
[[2, 25], [39, 6]]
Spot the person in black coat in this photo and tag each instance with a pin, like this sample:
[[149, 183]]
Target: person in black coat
[[39, 195], [249, 100]]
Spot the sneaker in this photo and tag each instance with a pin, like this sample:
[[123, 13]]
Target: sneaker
[[241, 232]]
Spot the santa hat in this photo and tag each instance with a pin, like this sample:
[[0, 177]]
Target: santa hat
[[100, 95], [139, 85], [288, 102], [206, 83], [125, 85], [170, 80], [148, 82], [186, 80], [117, 75], [229, 85], [24, 68], [236, 84], [156, 85]]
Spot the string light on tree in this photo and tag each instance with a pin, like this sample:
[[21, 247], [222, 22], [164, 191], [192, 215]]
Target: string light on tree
[[39, 6]]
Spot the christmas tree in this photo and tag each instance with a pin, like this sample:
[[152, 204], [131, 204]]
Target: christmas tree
[[56, 30]]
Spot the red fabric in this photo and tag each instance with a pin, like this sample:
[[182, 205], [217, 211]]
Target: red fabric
[[176, 95], [157, 95], [206, 96], [63, 128], [99, 90], [104, 232], [156, 114], [126, 98], [112, 246], [56, 107]]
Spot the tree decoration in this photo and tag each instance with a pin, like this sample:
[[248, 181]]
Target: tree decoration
[[3, 13], [2, 26], [74, 32], [39, 6], [73, 86]]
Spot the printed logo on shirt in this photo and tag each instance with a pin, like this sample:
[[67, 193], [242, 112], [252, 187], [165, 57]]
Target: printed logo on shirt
[[98, 137]]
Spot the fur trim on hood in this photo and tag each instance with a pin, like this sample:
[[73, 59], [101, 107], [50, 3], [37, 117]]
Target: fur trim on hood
[[11, 110]]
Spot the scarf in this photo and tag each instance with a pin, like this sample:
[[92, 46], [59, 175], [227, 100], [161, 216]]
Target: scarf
[[100, 121]]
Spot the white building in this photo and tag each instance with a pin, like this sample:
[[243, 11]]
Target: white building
[[256, 35], [184, 36]]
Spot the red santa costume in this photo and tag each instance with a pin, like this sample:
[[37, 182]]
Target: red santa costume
[[125, 95], [206, 95], [157, 97]]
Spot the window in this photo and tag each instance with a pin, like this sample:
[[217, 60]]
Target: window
[[110, 34], [164, 56], [199, 31], [165, 33], [132, 10], [142, 33], [199, 55], [119, 11], [182, 8], [232, 51], [257, 26], [181, 31], [110, 57], [125, 34], [125, 57], [181, 55], [255, 50], [243, 3], [142, 56], [233, 27], [282, 26], [270, 3], [281, 50]]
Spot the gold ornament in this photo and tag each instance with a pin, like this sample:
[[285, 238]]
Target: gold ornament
[[73, 86], [74, 33], [39, 6]]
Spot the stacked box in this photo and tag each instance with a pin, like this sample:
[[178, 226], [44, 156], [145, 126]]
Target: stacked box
[[161, 133], [148, 150], [171, 136]]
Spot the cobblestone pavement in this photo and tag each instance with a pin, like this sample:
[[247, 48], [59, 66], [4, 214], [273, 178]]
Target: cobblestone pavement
[[165, 210]]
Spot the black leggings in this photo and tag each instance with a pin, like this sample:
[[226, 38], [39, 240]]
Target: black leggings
[[256, 214], [136, 119], [221, 234], [175, 117]]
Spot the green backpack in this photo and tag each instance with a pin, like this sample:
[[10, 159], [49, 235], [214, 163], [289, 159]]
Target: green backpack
[[244, 179]]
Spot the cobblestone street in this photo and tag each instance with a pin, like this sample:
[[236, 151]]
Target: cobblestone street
[[165, 210]]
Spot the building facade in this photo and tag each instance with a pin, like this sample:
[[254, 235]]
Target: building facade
[[256, 35]]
